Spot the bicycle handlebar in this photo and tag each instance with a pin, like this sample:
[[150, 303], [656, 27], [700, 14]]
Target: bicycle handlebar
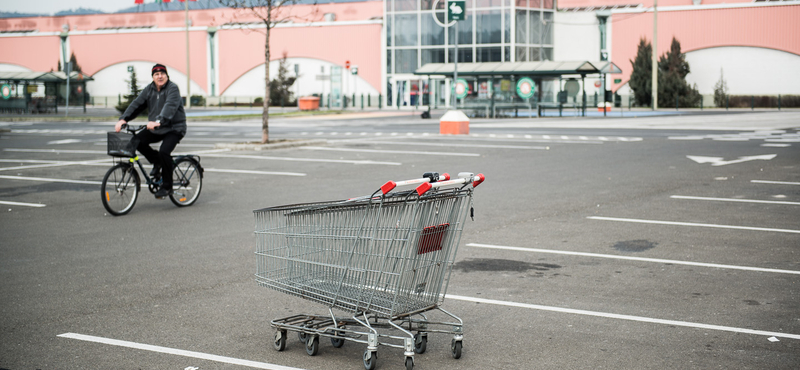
[[128, 127]]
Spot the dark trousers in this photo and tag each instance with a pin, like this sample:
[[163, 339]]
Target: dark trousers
[[161, 157]]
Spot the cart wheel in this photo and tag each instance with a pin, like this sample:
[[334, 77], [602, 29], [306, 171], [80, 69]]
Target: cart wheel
[[455, 346], [312, 345], [302, 336], [337, 342], [370, 359], [420, 343], [409, 363], [280, 340]]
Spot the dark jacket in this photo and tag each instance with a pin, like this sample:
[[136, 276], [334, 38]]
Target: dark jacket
[[165, 105]]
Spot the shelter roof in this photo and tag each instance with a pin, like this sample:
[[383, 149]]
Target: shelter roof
[[542, 68], [43, 76]]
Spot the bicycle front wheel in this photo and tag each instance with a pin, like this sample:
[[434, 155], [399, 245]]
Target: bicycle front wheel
[[120, 189], [187, 181]]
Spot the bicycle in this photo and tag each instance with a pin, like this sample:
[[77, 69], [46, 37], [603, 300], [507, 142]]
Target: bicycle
[[121, 184]]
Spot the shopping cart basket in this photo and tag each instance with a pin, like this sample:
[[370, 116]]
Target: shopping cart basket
[[385, 259]]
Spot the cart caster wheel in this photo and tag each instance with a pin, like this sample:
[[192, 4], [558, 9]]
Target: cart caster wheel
[[280, 340], [302, 336], [337, 342], [420, 343], [312, 345], [455, 346], [409, 363], [370, 359]]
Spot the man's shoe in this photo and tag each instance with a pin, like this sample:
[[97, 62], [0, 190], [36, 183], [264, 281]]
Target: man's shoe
[[163, 193], [156, 170]]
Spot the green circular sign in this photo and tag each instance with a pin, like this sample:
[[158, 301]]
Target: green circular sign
[[526, 88], [6, 91], [461, 88]]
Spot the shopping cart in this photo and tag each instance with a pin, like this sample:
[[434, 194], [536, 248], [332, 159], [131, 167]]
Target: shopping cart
[[385, 259]]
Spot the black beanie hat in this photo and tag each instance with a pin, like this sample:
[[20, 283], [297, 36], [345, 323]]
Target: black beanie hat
[[159, 68]]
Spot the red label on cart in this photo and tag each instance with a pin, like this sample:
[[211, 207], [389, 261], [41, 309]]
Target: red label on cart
[[430, 239]]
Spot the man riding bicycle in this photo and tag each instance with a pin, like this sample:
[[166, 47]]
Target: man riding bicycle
[[166, 123]]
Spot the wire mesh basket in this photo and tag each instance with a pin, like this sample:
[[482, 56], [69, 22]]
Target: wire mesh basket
[[122, 144]]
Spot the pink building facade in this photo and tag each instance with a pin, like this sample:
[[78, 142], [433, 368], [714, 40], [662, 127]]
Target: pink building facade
[[755, 45], [226, 47]]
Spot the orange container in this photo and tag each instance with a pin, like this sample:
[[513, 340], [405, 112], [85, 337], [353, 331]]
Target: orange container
[[308, 103]]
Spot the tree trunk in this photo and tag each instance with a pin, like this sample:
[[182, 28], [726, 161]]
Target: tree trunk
[[265, 114]]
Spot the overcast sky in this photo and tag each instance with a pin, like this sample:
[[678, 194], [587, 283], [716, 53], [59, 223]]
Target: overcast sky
[[53, 6]]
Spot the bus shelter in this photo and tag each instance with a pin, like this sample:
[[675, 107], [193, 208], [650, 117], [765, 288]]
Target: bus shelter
[[41, 92], [495, 87]]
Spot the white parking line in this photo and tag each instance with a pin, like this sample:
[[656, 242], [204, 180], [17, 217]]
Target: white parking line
[[174, 351], [774, 182], [47, 164], [38, 205], [735, 200], [389, 151], [255, 172], [68, 151], [44, 179], [628, 258], [624, 317], [692, 224], [302, 159], [453, 145]]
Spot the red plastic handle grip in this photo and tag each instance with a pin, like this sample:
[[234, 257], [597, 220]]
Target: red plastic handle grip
[[479, 178]]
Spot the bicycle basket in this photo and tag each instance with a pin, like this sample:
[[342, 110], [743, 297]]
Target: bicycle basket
[[122, 144]]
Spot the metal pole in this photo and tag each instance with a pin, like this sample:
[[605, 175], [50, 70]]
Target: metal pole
[[655, 55], [188, 74], [455, 68]]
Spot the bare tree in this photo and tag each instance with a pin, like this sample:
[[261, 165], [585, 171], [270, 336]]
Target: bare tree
[[271, 13]]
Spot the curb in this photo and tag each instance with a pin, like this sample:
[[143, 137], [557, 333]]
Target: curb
[[259, 147]]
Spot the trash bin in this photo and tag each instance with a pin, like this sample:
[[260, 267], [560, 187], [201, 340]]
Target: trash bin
[[308, 103]]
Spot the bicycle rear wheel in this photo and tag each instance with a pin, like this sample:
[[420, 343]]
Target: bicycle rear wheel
[[187, 181], [120, 189]]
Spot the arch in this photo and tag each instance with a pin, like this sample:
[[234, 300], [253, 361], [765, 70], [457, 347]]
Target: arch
[[112, 80], [251, 82], [746, 70], [11, 67]]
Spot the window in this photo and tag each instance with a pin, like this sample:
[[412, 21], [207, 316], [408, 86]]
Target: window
[[464, 55], [521, 54], [547, 34], [388, 30], [547, 53], [406, 61], [507, 26], [522, 27], [491, 54], [489, 29], [489, 3], [464, 31], [432, 56], [402, 5], [535, 27], [534, 54], [405, 31], [432, 33]]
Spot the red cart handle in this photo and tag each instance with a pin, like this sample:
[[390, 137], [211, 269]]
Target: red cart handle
[[429, 177], [464, 178]]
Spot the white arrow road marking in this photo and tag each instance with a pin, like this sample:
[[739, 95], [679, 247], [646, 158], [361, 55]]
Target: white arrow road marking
[[719, 161]]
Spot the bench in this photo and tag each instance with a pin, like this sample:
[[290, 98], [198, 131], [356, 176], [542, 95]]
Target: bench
[[560, 106]]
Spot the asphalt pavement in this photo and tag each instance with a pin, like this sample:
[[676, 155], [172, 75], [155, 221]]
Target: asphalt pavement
[[652, 242]]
